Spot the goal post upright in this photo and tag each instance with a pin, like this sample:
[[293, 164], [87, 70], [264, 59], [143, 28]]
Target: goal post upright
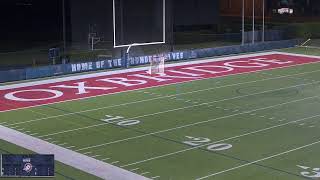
[[129, 46]]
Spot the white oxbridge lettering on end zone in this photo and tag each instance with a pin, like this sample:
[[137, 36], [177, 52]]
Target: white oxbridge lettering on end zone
[[118, 83]]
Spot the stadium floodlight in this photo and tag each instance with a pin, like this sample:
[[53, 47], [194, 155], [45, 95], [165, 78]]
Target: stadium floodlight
[[115, 45], [285, 11]]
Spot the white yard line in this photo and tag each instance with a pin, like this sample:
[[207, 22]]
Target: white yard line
[[162, 97], [68, 157], [143, 68], [200, 122], [260, 160], [223, 140], [173, 110]]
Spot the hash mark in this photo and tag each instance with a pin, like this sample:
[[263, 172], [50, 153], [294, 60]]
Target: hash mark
[[14, 127], [96, 156], [62, 144], [105, 159], [144, 173], [134, 169]]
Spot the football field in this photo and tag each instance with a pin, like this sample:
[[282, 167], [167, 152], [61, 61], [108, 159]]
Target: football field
[[256, 118]]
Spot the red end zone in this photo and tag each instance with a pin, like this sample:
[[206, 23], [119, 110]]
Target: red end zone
[[29, 96]]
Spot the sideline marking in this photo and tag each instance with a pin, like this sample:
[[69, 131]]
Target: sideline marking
[[260, 160], [68, 157]]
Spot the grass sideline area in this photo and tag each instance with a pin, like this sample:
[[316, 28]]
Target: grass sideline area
[[311, 47], [62, 172], [264, 124]]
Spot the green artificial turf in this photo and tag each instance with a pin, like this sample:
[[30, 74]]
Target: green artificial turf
[[266, 125]]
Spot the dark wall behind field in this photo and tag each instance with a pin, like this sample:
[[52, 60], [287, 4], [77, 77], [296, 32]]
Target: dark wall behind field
[[196, 12], [30, 20], [148, 23]]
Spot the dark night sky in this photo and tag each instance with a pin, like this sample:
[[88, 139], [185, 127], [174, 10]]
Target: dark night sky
[[30, 19], [38, 20]]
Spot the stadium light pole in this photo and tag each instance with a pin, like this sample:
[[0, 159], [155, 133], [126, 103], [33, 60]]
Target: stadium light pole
[[253, 14], [64, 26], [243, 22], [263, 20]]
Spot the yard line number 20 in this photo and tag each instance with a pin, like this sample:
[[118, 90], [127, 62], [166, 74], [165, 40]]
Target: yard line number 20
[[202, 142]]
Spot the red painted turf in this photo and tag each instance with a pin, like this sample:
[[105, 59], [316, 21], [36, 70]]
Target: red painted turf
[[89, 87]]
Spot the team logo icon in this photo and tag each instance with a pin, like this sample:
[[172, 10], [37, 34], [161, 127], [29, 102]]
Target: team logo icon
[[27, 167]]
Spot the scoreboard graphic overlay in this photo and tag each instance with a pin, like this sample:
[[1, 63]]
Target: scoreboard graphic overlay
[[27, 165]]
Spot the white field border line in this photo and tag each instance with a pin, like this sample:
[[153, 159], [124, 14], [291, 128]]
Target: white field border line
[[170, 83], [176, 109], [68, 157], [295, 54], [200, 122], [260, 160], [94, 75], [222, 140], [162, 97]]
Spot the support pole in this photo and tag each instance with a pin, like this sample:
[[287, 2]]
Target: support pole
[[243, 23], [263, 21], [253, 18], [64, 26]]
